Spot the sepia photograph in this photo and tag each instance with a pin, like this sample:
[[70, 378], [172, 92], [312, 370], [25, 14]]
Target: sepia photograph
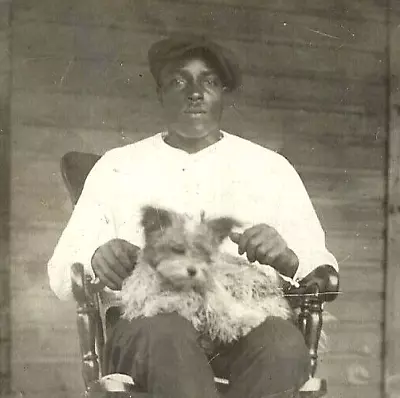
[[199, 199]]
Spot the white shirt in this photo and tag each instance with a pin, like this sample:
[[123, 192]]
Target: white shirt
[[233, 177]]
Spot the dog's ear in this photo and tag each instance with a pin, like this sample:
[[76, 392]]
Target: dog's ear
[[221, 228], [155, 219]]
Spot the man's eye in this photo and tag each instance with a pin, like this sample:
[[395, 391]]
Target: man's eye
[[177, 82], [211, 81]]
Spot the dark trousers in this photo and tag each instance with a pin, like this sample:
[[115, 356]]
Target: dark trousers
[[163, 356]]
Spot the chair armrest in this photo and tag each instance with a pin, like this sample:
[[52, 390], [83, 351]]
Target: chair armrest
[[322, 282], [319, 286]]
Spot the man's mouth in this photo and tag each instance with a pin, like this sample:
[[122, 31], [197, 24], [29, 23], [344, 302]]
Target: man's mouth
[[195, 111]]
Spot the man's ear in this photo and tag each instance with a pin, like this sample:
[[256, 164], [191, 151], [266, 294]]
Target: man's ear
[[159, 93], [228, 98], [221, 228], [155, 219]]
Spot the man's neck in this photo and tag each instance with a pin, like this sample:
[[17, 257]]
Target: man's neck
[[192, 145]]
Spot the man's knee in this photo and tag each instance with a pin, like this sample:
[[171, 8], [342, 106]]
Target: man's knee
[[281, 337], [163, 328], [278, 344], [287, 349], [291, 340], [160, 336], [273, 357]]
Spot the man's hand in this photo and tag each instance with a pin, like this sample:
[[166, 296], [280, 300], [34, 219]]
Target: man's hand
[[264, 244], [114, 261]]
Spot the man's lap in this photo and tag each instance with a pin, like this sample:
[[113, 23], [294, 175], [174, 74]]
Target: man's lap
[[280, 339], [275, 351]]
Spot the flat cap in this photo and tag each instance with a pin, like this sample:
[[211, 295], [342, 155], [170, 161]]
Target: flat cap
[[176, 47]]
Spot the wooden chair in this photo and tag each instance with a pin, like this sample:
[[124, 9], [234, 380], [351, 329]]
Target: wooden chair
[[318, 287]]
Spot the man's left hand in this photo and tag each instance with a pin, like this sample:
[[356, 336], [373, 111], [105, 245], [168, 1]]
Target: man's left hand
[[264, 244]]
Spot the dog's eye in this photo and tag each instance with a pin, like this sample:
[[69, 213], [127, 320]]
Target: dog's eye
[[178, 249], [204, 252]]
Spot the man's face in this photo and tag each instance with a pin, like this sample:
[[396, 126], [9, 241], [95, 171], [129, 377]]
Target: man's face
[[191, 94]]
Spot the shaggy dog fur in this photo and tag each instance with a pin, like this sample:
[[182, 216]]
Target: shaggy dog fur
[[181, 270]]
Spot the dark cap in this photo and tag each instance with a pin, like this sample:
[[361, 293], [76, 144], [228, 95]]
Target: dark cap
[[167, 50]]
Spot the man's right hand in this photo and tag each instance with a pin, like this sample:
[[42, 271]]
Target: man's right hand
[[114, 261]]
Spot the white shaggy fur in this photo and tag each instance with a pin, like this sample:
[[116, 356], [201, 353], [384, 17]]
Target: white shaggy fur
[[239, 297]]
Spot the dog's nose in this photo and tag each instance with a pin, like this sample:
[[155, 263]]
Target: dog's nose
[[191, 271]]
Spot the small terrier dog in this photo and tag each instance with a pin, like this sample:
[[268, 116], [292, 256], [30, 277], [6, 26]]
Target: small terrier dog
[[181, 269]]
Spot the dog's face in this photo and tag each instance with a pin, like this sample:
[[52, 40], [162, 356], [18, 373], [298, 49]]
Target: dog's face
[[181, 251]]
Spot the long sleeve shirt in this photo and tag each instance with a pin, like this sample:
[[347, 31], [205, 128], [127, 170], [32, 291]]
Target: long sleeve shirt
[[233, 177]]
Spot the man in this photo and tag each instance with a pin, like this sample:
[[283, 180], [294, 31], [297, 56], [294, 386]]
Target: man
[[194, 167]]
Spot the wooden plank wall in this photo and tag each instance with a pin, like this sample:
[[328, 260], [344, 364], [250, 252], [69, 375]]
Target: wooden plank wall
[[5, 91], [392, 321], [314, 89]]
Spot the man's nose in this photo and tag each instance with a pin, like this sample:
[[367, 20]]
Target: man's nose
[[195, 93]]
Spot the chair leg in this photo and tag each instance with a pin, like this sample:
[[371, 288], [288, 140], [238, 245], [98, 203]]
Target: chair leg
[[114, 385], [87, 323], [310, 323], [314, 391]]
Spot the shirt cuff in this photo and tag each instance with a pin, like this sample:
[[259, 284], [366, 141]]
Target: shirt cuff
[[308, 262]]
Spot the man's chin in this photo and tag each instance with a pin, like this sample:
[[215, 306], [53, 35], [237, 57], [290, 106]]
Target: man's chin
[[197, 131], [195, 135]]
